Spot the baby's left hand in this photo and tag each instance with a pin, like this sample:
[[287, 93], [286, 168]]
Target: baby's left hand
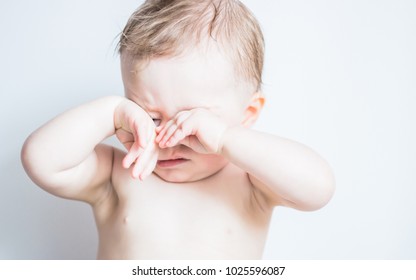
[[198, 129]]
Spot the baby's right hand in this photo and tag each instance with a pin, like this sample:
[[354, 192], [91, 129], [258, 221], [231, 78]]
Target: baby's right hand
[[136, 131]]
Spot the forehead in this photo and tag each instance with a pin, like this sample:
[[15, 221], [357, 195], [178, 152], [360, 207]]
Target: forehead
[[197, 78]]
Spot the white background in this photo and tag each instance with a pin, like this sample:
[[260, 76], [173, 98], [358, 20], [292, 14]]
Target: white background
[[339, 77]]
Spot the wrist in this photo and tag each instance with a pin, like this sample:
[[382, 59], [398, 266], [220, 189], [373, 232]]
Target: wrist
[[119, 102], [228, 136], [101, 112]]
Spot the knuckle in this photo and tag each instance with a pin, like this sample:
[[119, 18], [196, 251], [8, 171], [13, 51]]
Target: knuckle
[[185, 127]]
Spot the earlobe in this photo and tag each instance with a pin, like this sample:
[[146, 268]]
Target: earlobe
[[253, 109]]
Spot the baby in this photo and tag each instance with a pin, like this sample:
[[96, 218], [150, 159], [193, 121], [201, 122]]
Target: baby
[[195, 182]]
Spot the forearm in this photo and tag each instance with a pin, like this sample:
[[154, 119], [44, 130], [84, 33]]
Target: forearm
[[291, 173], [69, 139]]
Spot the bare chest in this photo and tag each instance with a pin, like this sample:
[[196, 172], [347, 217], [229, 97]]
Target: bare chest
[[159, 217], [156, 206]]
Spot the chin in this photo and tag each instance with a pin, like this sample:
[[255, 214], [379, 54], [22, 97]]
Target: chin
[[173, 177], [180, 177], [185, 176]]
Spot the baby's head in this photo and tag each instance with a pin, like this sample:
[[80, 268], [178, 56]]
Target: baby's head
[[172, 28], [182, 54]]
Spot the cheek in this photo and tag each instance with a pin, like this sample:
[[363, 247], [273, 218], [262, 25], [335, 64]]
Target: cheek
[[231, 115], [234, 117], [232, 111], [211, 163]]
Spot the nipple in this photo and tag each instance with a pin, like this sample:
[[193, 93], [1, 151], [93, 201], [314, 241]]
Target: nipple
[[126, 220]]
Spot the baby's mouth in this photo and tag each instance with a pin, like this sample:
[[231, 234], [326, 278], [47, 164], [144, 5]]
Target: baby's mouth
[[171, 162]]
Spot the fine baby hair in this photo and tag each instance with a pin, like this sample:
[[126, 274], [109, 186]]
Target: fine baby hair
[[168, 28]]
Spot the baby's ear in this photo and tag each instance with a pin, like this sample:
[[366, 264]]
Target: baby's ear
[[253, 109]]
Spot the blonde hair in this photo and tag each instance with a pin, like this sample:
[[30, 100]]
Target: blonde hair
[[167, 27]]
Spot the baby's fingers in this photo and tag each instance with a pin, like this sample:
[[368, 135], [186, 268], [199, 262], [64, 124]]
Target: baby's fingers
[[142, 133], [171, 127], [168, 131], [146, 160], [150, 166], [142, 136], [132, 155], [178, 136]]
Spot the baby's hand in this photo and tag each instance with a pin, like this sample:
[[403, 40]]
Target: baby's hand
[[136, 131], [198, 129]]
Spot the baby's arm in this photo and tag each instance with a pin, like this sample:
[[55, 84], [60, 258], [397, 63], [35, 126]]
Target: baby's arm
[[65, 156], [287, 172]]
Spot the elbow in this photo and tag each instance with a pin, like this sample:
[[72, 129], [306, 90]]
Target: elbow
[[30, 157], [26, 155], [320, 193], [325, 194]]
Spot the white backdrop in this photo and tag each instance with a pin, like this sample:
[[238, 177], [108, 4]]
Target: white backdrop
[[339, 77]]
